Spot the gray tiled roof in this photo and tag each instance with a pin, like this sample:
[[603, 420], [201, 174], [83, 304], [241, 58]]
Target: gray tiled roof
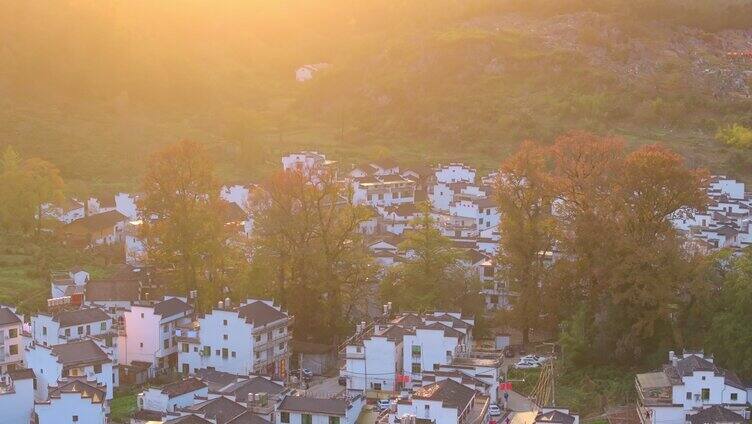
[[716, 414], [80, 316], [79, 352], [449, 392], [8, 317], [260, 313], [170, 307]]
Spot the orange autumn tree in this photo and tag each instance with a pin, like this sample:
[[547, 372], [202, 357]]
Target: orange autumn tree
[[620, 263], [527, 231]]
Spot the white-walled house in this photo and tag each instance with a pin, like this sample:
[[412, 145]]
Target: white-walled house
[[168, 398], [374, 362], [17, 396], [82, 358], [686, 385], [443, 402], [308, 410], [251, 338], [455, 172], [66, 212], [94, 230], [125, 203], [11, 346], [430, 346], [383, 190], [308, 163], [150, 332], [69, 324], [77, 401]]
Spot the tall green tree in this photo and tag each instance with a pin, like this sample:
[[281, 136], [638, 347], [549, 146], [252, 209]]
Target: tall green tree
[[184, 219], [730, 335], [435, 274], [527, 232], [44, 184], [309, 255]]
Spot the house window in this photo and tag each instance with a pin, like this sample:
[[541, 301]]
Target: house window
[[88, 329], [224, 322], [195, 348], [734, 396], [333, 420], [75, 418], [141, 345], [97, 368], [416, 350], [67, 332], [233, 353], [376, 386], [217, 352], [258, 337], [186, 348], [165, 329], [284, 417], [186, 369], [306, 419], [689, 395], [224, 336], [44, 331], [167, 343], [142, 314], [416, 368], [13, 349], [80, 330], [705, 394], [207, 350], [225, 353], [12, 333], [103, 326]]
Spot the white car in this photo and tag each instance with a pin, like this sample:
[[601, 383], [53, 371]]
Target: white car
[[534, 358], [524, 365], [384, 404], [494, 410]]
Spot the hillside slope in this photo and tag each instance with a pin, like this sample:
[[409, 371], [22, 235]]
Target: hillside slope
[[95, 88]]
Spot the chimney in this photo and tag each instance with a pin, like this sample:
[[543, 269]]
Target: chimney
[[220, 305], [227, 302], [672, 357]]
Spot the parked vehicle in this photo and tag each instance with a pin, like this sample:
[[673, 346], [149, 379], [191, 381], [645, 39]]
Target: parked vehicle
[[534, 358], [524, 365], [384, 404], [305, 374], [494, 410]]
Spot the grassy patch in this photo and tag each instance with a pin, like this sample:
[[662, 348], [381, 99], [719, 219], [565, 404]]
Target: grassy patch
[[25, 265], [586, 391], [122, 406]]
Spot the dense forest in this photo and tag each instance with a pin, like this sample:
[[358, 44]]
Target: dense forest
[[95, 86]]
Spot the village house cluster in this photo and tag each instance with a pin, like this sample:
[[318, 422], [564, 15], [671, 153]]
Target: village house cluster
[[233, 364], [725, 223]]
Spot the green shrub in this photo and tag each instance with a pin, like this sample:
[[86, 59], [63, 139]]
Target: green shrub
[[735, 135]]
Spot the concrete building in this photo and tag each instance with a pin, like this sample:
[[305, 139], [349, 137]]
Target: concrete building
[[307, 410], [686, 385], [149, 335], [251, 338], [78, 401], [82, 358], [69, 323], [11, 347]]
